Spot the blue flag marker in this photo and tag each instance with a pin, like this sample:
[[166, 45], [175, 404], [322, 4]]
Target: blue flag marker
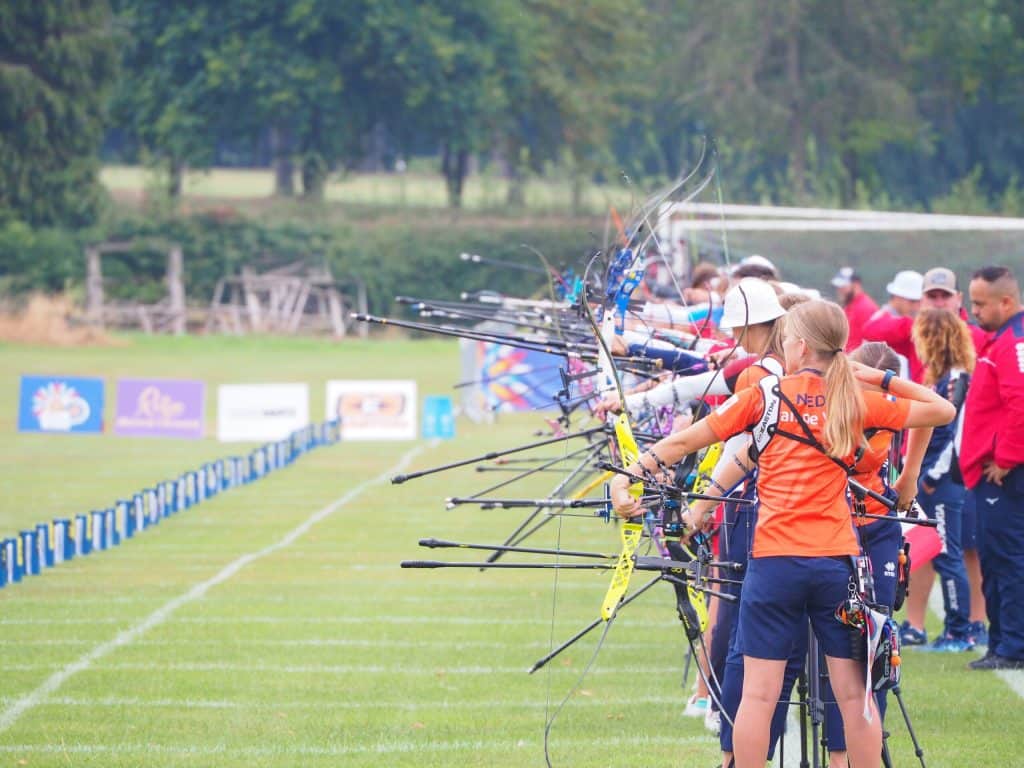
[[29, 553], [438, 418], [44, 547]]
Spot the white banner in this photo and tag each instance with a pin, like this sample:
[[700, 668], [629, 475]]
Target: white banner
[[260, 412], [373, 410]]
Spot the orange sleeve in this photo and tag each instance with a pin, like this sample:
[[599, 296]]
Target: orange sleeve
[[736, 414], [749, 377], [885, 411]]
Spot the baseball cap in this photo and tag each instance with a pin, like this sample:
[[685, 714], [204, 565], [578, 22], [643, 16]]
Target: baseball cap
[[844, 277], [907, 285], [751, 302], [940, 279]]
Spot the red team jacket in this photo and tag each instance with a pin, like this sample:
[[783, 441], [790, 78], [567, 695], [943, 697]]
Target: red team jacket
[[994, 411]]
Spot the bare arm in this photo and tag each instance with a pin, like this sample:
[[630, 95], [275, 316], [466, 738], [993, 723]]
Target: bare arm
[[669, 451], [927, 407], [906, 483]]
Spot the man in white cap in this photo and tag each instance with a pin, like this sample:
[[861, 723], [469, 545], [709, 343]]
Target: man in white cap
[[858, 306], [894, 321]]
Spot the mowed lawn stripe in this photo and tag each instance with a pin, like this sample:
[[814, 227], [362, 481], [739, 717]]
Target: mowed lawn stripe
[[11, 713]]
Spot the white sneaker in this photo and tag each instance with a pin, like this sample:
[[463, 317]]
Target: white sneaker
[[696, 707], [713, 721]]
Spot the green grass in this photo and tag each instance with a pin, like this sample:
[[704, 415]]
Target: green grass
[[324, 652], [482, 192]]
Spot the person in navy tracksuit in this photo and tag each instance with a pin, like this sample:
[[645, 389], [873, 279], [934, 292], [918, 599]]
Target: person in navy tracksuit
[[992, 461], [943, 344]]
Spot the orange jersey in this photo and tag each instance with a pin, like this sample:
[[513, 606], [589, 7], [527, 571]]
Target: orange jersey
[[866, 473], [802, 492]]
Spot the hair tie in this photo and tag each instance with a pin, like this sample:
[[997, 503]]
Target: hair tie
[[836, 351]]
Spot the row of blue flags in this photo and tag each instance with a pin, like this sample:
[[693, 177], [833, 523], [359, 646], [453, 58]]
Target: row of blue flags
[[49, 544]]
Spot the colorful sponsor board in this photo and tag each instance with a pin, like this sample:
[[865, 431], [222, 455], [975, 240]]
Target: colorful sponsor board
[[373, 409], [160, 408], [60, 404]]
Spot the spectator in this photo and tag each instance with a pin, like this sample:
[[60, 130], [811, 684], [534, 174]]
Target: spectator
[[940, 292], [943, 343], [992, 461], [893, 322], [858, 306]]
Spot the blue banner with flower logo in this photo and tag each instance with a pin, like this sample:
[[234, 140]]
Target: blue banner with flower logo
[[60, 404]]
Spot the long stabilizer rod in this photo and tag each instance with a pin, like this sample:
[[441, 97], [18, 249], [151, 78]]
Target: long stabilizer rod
[[398, 479]]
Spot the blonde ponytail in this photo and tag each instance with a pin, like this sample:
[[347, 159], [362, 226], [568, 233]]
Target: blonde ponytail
[[844, 408], [824, 328]]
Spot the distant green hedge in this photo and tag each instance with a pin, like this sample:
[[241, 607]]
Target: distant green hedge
[[415, 260]]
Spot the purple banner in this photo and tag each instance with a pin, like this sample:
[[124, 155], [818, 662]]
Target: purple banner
[[160, 408]]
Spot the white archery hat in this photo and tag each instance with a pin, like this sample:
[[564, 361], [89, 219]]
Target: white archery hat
[[751, 302], [757, 260], [907, 284]]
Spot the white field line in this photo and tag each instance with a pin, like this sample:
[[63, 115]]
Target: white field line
[[10, 714], [341, 642], [1013, 677], [381, 748], [332, 620], [331, 704], [435, 670], [329, 597]]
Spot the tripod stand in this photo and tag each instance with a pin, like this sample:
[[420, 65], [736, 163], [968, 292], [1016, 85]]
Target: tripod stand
[[812, 718]]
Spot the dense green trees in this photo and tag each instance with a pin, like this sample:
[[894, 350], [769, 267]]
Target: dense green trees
[[841, 102], [57, 61]]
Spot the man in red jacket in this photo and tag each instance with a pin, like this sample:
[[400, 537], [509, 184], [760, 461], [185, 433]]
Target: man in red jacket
[[992, 461], [858, 306], [892, 323]]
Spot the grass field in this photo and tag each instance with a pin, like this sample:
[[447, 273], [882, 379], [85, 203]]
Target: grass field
[[271, 626], [482, 192]]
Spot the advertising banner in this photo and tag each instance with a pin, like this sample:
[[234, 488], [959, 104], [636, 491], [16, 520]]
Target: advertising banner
[[373, 410], [509, 379], [160, 408], [60, 404], [260, 412]]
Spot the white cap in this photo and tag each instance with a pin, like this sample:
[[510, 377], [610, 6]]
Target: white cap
[[751, 302], [907, 284], [843, 277], [790, 288], [756, 260]]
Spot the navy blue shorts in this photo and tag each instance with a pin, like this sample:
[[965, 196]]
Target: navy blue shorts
[[969, 526], [780, 593]]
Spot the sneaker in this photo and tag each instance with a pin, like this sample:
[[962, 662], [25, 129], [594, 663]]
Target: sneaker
[[978, 633], [995, 661], [696, 707], [911, 636], [713, 721], [946, 642]]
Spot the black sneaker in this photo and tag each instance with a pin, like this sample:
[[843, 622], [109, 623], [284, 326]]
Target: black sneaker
[[995, 661]]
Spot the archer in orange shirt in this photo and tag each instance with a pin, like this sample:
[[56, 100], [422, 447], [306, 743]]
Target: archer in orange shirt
[[804, 526]]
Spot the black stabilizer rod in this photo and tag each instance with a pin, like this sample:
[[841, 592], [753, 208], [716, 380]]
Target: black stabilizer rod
[[441, 544], [863, 491], [454, 501], [591, 626], [399, 479], [525, 566]]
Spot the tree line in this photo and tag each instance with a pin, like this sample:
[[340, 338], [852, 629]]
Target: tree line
[[837, 102]]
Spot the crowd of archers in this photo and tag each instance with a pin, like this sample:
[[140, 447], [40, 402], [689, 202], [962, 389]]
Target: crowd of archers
[[829, 423]]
